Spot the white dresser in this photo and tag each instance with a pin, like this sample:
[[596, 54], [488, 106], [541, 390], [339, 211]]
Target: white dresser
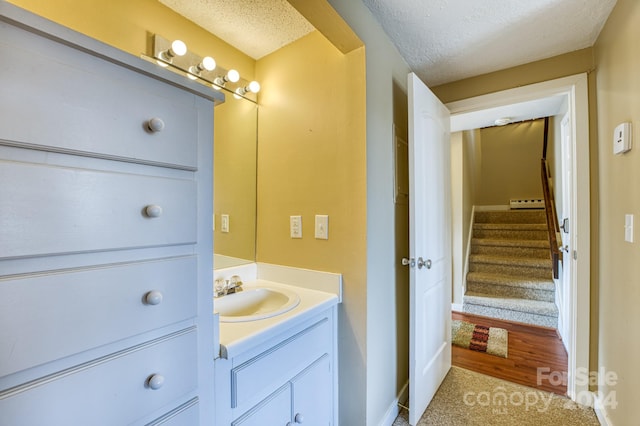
[[106, 305]]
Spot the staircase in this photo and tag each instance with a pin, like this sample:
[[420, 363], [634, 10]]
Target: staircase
[[510, 270]]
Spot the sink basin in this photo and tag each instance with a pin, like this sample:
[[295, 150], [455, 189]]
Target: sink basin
[[255, 303]]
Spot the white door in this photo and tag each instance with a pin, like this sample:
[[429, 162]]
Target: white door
[[567, 213], [429, 246]]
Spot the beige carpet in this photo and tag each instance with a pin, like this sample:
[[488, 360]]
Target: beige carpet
[[466, 398]]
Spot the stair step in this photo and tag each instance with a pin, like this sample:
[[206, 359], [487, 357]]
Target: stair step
[[511, 261], [514, 316], [515, 231], [510, 216], [500, 286], [511, 243], [514, 248], [511, 281], [512, 309]]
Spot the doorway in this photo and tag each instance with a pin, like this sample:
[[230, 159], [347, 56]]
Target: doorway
[[535, 100]]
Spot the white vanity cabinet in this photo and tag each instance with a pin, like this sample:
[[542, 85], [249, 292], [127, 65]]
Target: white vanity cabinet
[[106, 313], [290, 380]]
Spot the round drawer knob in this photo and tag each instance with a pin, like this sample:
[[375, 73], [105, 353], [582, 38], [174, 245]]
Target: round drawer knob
[[153, 297], [299, 418], [155, 125], [153, 210], [155, 381]]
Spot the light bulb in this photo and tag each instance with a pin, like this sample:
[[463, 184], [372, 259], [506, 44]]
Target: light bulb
[[254, 87], [233, 76], [208, 63], [178, 48]]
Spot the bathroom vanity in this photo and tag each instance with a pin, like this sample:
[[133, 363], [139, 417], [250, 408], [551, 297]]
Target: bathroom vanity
[[282, 369]]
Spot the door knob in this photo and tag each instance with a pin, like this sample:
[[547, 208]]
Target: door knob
[[422, 263], [408, 262]]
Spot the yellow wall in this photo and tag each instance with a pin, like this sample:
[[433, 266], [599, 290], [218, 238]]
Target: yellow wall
[[510, 163], [311, 157], [535, 72], [618, 92]]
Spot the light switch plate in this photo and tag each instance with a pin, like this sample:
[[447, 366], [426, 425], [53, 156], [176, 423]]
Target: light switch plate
[[295, 226], [628, 228], [224, 223], [322, 227], [622, 138]]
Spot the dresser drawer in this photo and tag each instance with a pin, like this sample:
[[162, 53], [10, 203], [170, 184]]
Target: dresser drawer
[[59, 314], [47, 209], [186, 415], [62, 99], [116, 390], [261, 375]]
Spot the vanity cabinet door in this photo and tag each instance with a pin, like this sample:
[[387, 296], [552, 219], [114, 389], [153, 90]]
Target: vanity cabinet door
[[312, 395], [274, 410]]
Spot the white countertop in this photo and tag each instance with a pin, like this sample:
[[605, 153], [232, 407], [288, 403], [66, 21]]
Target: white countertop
[[237, 337]]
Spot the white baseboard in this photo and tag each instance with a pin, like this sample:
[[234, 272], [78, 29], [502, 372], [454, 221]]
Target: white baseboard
[[456, 307], [394, 410], [601, 411]]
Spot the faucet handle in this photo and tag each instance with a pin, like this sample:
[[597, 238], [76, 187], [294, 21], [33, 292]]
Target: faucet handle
[[235, 282], [220, 287]]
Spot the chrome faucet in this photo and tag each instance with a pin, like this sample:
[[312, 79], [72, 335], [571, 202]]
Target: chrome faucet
[[222, 287], [234, 285]]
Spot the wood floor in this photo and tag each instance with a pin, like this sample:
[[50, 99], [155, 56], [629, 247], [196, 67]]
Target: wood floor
[[530, 348]]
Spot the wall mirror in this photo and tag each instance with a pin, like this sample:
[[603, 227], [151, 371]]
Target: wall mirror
[[234, 182]]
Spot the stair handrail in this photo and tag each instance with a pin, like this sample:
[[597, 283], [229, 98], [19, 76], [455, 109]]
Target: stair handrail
[[552, 220], [555, 238]]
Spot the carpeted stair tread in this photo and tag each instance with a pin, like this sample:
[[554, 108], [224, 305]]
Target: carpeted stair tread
[[513, 316], [510, 261], [493, 242], [511, 226], [536, 307], [510, 216], [511, 281]]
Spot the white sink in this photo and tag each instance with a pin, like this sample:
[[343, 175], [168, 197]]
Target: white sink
[[255, 303]]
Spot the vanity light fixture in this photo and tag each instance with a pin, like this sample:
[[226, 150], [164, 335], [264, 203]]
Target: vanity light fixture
[[232, 76], [253, 87], [201, 69]]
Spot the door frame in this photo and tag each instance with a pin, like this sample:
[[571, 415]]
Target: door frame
[[575, 88]]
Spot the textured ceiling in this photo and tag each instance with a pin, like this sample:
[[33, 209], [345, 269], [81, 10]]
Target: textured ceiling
[[441, 40], [255, 27], [448, 40]]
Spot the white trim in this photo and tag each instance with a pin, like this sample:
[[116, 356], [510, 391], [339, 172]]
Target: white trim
[[575, 89], [601, 411], [468, 252], [456, 307], [393, 411]]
